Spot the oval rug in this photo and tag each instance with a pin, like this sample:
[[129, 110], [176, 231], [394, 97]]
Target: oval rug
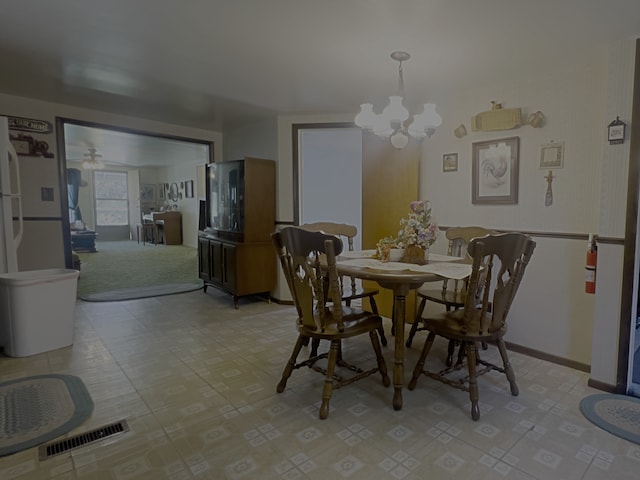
[[617, 414], [34, 410]]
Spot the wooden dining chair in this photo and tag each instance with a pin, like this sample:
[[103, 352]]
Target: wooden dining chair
[[351, 290], [321, 313], [509, 254], [450, 293]]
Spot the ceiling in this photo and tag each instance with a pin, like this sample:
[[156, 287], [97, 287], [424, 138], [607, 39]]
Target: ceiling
[[219, 64]]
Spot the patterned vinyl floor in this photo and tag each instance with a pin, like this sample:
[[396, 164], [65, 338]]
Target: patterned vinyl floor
[[195, 379]]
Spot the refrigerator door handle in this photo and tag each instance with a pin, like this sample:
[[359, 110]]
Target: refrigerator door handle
[[17, 195]]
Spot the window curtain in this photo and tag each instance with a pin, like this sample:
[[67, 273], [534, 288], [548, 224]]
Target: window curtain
[[74, 177]]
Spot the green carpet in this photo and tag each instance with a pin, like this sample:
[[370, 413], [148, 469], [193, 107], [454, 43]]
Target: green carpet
[[124, 270], [40, 408], [617, 414]]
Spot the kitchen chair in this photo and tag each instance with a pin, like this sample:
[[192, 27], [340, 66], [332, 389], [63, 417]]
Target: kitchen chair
[[321, 314], [452, 292], [476, 322], [350, 290], [147, 230]]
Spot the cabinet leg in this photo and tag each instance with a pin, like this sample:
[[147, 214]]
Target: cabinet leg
[[235, 302], [205, 287]]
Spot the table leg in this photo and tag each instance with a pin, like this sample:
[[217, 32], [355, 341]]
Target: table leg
[[399, 305]]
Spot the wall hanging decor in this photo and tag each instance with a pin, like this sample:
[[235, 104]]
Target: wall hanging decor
[[495, 166], [500, 118], [450, 162], [548, 196], [616, 131], [551, 155]]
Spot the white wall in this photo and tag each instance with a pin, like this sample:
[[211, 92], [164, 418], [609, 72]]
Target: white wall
[[258, 139], [552, 313]]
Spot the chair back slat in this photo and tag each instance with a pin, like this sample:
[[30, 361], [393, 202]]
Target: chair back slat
[[301, 252], [490, 292]]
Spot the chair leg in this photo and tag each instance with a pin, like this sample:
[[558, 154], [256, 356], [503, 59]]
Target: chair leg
[[450, 349], [327, 390], [315, 343], [471, 348], [382, 366], [290, 364], [416, 322], [374, 309], [420, 365], [508, 370]]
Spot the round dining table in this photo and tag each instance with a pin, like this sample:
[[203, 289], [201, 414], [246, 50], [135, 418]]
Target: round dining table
[[400, 279]]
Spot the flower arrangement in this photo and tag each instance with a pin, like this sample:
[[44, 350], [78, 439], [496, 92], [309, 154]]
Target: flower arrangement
[[417, 228], [417, 233]]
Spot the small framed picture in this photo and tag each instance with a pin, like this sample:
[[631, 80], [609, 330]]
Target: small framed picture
[[616, 131], [188, 189], [147, 193], [552, 155], [450, 162], [161, 191]]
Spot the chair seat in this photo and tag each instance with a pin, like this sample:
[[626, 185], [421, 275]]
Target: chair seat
[[355, 321], [450, 324]]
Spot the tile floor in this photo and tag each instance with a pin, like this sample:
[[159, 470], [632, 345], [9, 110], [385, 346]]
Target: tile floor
[[195, 379]]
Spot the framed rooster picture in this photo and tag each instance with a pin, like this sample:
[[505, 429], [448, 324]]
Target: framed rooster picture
[[495, 171]]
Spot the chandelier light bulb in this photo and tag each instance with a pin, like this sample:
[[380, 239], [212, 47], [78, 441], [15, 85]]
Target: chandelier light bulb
[[395, 112], [366, 118], [399, 140]]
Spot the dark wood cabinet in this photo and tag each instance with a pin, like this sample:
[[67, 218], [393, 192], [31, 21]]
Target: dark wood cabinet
[[235, 250]]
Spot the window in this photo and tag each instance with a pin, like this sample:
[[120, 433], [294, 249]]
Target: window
[[112, 201]]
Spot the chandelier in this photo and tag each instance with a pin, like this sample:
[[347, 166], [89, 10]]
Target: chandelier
[[92, 160], [391, 122]]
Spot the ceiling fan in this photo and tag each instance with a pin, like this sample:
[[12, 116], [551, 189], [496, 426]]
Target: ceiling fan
[[92, 160]]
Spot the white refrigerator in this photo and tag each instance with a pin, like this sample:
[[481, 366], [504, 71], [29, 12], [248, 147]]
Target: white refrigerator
[[10, 202], [34, 203]]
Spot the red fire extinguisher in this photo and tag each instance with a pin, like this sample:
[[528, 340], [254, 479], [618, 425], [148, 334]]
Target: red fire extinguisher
[[590, 268]]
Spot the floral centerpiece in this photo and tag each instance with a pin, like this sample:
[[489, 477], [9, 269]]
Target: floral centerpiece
[[418, 232]]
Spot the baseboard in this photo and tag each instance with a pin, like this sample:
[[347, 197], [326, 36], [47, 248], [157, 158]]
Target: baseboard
[[281, 302], [606, 387], [546, 356]]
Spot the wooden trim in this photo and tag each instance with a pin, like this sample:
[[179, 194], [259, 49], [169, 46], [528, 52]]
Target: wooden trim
[[563, 235], [281, 302], [629, 281], [607, 387], [295, 161], [548, 357]]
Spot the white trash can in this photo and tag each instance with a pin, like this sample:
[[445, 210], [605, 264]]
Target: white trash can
[[38, 310]]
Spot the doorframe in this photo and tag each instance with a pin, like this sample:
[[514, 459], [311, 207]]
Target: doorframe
[[295, 136], [60, 122], [629, 277]]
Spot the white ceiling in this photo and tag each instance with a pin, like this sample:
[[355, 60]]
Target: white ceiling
[[217, 64]]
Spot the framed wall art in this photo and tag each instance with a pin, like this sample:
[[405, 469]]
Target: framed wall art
[[494, 176], [188, 189], [552, 155], [147, 193], [450, 162]]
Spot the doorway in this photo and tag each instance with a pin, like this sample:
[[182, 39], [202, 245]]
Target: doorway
[[150, 160]]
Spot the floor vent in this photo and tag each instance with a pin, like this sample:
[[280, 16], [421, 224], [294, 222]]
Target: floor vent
[[77, 441]]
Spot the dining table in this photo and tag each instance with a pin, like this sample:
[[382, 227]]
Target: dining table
[[400, 278]]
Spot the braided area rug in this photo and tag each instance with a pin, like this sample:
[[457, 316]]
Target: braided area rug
[[37, 409], [617, 414]]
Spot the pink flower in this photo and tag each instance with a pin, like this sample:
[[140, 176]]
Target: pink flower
[[417, 206]]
